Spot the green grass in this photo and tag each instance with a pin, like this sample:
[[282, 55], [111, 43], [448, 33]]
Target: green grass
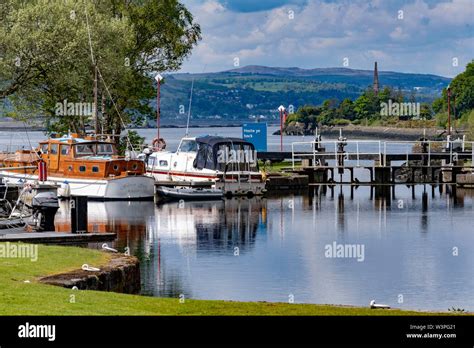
[[20, 298], [277, 167]]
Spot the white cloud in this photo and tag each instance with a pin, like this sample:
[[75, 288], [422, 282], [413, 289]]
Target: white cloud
[[321, 33]]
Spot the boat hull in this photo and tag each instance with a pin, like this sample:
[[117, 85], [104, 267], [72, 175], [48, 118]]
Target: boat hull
[[192, 194], [231, 186], [122, 188]]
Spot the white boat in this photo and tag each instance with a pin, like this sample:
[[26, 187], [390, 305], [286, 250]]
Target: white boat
[[230, 164]]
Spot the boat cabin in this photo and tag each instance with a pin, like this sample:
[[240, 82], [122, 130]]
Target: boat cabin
[[221, 153], [73, 156]]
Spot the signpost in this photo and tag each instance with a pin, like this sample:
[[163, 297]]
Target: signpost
[[255, 133], [282, 110]]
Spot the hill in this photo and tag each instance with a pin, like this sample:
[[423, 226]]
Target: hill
[[256, 91]]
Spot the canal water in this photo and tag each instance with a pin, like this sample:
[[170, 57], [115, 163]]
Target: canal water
[[417, 246], [412, 248]]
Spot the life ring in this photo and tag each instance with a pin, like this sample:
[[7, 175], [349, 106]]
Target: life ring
[[159, 144]]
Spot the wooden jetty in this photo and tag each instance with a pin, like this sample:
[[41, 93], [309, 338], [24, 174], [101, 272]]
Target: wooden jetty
[[465, 180], [437, 161]]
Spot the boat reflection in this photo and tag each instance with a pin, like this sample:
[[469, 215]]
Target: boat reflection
[[225, 227]]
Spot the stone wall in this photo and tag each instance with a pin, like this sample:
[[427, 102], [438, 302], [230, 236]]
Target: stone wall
[[121, 274]]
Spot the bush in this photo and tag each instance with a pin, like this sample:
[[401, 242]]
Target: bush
[[442, 119], [339, 122]]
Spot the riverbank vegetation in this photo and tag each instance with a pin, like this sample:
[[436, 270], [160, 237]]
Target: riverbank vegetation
[[22, 294], [392, 108]]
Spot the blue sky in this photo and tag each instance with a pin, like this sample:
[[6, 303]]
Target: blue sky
[[422, 36]]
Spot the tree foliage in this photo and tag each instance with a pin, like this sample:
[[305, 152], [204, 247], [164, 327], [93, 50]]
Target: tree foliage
[[462, 93], [46, 56]]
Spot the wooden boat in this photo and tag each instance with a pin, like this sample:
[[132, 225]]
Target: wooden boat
[[188, 193], [229, 163], [90, 167]]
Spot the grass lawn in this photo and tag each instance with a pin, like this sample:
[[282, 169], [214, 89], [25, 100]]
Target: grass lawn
[[33, 298], [277, 167]]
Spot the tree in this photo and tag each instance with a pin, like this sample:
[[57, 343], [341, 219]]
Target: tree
[[346, 110], [426, 112], [46, 56], [462, 92], [362, 107]]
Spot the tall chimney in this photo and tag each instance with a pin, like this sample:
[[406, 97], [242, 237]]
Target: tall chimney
[[376, 79]]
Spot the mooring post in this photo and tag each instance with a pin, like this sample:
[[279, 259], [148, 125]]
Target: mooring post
[[424, 201], [78, 206], [382, 175]]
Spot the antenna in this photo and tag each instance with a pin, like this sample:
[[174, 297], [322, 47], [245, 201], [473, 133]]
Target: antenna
[[189, 107], [190, 101]]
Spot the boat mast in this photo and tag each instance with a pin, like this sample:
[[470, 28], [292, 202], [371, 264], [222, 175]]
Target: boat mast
[[96, 115], [189, 108]]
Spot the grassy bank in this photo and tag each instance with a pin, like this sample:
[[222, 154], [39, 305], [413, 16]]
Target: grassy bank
[[18, 297]]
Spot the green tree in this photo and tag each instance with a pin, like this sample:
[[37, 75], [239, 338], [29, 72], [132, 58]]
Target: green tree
[[363, 107], [426, 112], [462, 93], [346, 110], [46, 56]]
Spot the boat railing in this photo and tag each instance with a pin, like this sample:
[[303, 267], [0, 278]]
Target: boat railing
[[12, 148]]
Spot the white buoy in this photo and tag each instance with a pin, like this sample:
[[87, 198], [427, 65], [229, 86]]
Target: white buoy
[[64, 190], [374, 305]]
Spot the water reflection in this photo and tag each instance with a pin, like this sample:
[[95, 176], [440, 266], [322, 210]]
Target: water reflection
[[268, 248]]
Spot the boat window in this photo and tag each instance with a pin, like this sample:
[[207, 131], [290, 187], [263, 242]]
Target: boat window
[[69, 168], [201, 156], [163, 163], [65, 149], [188, 146], [82, 168], [222, 156], [210, 158], [44, 148], [85, 149], [105, 149], [54, 149], [95, 169]]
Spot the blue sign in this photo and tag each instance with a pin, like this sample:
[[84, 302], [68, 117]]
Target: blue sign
[[255, 133]]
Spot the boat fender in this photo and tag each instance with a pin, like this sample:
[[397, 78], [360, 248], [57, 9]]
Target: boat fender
[[64, 190]]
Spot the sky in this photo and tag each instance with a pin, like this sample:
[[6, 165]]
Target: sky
[[418, 36]]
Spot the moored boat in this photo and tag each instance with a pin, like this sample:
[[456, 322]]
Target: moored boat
[[230, 164], [90, 167], [188, 193]]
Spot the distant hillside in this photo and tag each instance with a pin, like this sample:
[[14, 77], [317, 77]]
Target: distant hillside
[[256, 91]]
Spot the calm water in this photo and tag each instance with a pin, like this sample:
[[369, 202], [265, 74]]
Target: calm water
[[267, 249], [274, 248], [171, 135]]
